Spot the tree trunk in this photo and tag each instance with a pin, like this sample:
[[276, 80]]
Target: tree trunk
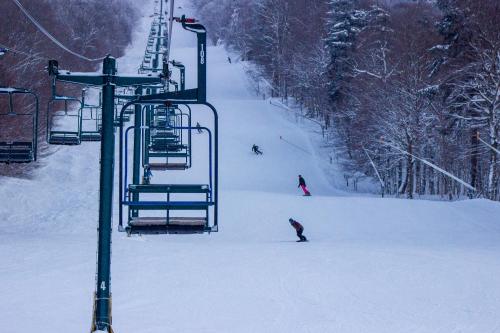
[[409, 173], [474, 159]]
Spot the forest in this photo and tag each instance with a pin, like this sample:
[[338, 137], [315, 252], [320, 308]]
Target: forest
[[83, 26], [408, 92]]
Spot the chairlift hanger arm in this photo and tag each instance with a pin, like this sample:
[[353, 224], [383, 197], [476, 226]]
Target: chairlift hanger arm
[[191, 24], [98, 79], [12, 90], [177, 64]]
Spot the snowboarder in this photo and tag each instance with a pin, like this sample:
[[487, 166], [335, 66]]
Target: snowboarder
[[303, 186], [299, 228], [256, 150], [198, 127]]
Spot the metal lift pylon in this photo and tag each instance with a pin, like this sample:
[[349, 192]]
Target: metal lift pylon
[[108, 80]]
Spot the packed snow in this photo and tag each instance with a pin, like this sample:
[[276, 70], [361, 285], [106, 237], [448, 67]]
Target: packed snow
[[372, 264]]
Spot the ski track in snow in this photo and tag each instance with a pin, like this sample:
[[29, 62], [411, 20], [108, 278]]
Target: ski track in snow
[[372, 265]]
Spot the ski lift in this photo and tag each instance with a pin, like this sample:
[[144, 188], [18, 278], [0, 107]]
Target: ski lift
[[64, 126], [91, 120], [20, 149], [170, 208], [165, 208], [168, 133]]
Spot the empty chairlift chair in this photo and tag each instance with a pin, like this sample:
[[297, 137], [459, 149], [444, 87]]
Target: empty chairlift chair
[[18, 126], [169, 147], [166, 208], [91, 121], [64, 121]]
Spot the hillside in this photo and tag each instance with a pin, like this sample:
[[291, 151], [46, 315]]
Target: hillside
[[372, 264]]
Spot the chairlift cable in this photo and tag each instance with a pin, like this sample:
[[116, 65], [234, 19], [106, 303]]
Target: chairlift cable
[[52, 38]]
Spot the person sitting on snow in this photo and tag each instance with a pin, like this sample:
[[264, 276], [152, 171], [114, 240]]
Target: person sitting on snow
[[299, 228], [256, 150]]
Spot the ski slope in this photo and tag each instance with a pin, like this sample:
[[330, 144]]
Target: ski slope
[[372, 265]]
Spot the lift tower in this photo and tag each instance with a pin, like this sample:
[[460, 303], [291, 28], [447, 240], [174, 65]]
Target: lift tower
[[108, 80]]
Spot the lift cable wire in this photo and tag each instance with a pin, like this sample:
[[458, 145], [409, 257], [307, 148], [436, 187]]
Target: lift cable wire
[[52, 38]]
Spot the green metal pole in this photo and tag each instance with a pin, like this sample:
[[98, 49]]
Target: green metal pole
[[136, 174], [147, 131], [202, 67], [156, 59], [183, 78], [103, 293]]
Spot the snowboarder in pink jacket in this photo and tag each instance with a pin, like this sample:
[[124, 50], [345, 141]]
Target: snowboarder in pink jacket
[[303, 186]]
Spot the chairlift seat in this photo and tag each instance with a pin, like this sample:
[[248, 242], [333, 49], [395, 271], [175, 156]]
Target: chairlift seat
[[164, 144], [91, 136], [161, 221], [164, 135], [64, 138], [168, 188], [172, 225], [167, 166], [16, 152], [169, 148], [165, 139], [167, 154]]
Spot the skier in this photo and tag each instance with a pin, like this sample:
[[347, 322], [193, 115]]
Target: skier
[[256, 150], [299, 228], [146, 178], [229, 60], [198, 127], [303, 186]]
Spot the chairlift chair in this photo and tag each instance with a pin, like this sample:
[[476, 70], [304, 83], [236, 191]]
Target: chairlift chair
[[167, 148], [91, 121], [16, 149], [171, 208], [64, 127], [165, 208]]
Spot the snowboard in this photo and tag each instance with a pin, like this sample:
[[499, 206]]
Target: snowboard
[[300, 241]]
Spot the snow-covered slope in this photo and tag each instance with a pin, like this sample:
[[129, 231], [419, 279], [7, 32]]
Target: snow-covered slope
[[372, 265]]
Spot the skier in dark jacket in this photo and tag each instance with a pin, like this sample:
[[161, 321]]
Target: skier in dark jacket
[[256, 150], [198, 127], [299, 228], [303, 186]]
